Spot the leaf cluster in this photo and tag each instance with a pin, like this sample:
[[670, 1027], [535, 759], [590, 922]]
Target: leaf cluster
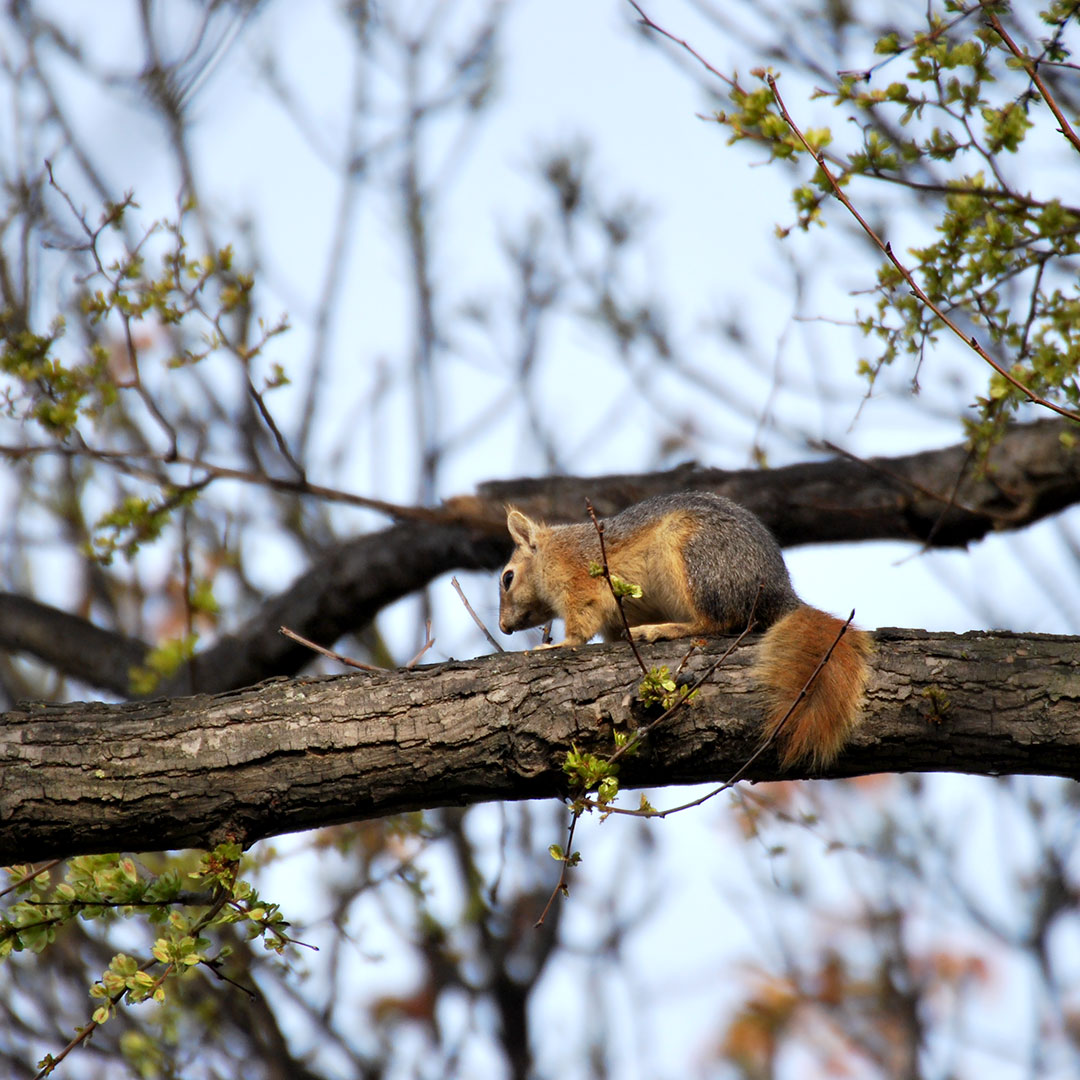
[[659, 687], [186, 906], [956, 128]]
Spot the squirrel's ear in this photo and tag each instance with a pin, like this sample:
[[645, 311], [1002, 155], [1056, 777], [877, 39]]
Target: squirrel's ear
[[522, 529]]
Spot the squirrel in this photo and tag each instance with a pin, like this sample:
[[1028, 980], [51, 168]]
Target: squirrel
[[705, 565]]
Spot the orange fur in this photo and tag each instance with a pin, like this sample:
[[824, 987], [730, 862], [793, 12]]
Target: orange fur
[[551, 567], [790, 652]]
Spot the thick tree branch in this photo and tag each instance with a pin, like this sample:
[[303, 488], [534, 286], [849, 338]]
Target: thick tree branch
[[295, 754], [937, 497], [80, 649], [344, 590]]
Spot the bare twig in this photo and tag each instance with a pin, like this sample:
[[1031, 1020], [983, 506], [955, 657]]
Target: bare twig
[[475, 618], [341, 659], [126, 461], [428, 642], [650, 25], [599, 526], [950, 501]]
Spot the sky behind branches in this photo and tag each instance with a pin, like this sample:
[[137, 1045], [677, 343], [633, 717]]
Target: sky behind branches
[[573, 74]]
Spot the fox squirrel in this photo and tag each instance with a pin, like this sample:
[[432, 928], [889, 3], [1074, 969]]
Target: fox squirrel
[[705, 565]]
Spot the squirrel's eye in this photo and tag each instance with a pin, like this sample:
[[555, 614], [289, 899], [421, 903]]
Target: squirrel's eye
[[507, 578]]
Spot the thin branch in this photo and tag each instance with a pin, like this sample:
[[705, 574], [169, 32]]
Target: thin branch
[[582, 801], [84, 1033], [742, 770], [339, 657], [475, 618], [112, 217], [599, 526], [642, 732], [863, 74], [646, 22], [348, 660], [562, 886], [428, 642], [950, 501], [125, 460], [886, 248], [30, 874], [1032, 68]]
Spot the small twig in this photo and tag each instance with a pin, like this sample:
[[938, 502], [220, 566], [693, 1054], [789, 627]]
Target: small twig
[[1032, 68], [741, 771], [271, 424], [863, 75], [215, 967], [85, 1032], [886, 248], [92, 236], [30, 875], [561, 886], [650, 25], [147, 398], [950, 501], [125, 461], [606, 808], [424, 648], [809, 682], [475, 618], [642, 732], [599, 526], [635, 738], [347, 660]]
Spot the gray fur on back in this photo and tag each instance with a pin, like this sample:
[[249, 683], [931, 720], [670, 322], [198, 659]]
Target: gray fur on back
[[728, 560]]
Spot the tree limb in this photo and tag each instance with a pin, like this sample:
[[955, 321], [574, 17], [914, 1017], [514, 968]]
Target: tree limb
[[936, 497], [303, 753]]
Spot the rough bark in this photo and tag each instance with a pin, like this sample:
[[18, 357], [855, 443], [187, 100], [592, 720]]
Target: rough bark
[[937, 498], [299, 753]]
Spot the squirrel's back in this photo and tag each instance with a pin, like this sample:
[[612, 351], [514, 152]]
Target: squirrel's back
[[733, 565]]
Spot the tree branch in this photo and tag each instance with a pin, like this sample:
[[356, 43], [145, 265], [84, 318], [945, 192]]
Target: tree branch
[[916, 289], [1031, 66], [1029, 475], [297, 754]]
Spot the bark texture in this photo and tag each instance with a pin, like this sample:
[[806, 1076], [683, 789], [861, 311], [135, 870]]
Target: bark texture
[[299, 753]]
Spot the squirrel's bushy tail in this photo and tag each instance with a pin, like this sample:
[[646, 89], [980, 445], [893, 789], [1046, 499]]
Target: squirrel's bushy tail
[[790, 652]]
